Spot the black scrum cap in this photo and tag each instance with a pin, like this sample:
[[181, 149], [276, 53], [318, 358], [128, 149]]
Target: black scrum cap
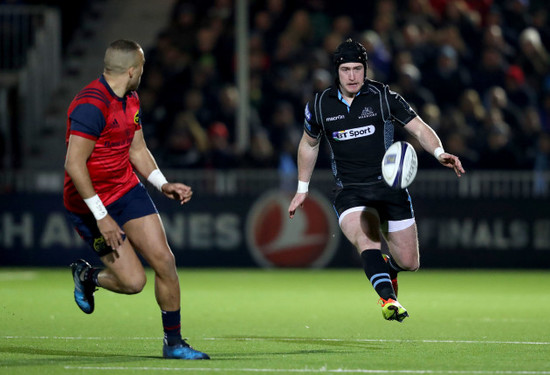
[[350, 51]]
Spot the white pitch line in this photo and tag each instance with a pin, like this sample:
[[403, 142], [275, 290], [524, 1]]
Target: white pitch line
[[17, 276], [290, 339], [76, 338], [306, 370], [382, 340]]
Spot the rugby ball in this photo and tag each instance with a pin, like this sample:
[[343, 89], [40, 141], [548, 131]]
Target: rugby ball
[[399, 165]]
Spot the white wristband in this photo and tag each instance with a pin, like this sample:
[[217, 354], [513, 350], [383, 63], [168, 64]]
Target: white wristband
[[96, 206], [302, 187], [438, 151], [157, 179]]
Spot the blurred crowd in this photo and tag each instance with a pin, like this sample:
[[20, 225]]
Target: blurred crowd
[[477, 71]]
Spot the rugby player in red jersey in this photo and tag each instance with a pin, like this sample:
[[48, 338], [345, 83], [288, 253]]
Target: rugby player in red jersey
[[109, 206]]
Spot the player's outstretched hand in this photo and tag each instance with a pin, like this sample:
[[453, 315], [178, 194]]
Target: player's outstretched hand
[[452, 161], [297, 201], [177, 191]]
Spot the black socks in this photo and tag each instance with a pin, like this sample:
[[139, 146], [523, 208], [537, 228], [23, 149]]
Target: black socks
[[377, 271], [393, 267]]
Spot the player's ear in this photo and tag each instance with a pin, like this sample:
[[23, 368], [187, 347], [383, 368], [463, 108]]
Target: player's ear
[[131, 71]]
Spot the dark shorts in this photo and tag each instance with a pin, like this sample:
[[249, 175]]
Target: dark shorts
[[134, 204], [391, 205]]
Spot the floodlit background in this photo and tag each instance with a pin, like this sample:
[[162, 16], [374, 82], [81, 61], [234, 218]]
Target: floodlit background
[[223, 95]]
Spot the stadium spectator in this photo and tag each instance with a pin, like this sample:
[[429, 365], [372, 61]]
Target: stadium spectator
[[409, 85], [498, 150], [490, 72], [414, 40], [497, 100], [260, 153], [187, 145], [544, 111], [528, 138], [457, 144], [490, 43], [379, 54], [449, 78], [471, 107], [520, 94], [221, 155], [534, 58], [494, 38]]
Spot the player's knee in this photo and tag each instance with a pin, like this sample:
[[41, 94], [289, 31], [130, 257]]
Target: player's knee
[[165, 265], [412, 264], [167, 258], [134, 284]]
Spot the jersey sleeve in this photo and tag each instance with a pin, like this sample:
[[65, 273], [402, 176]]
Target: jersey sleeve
[[135, 104], [311, 126], [399, 108], [87, 120]]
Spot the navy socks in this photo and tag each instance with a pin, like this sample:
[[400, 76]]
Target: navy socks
[[377, 271]]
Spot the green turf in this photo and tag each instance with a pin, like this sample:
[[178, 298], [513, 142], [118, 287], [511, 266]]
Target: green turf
[[283, 322]]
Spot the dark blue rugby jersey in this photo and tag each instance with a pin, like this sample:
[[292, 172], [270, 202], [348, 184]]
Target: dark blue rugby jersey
[[358, 135]]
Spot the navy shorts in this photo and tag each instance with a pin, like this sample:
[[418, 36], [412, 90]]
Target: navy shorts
[[391, 205], [134, 204]]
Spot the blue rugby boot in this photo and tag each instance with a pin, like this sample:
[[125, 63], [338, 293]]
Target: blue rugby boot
[[182, 350], [83, 290]]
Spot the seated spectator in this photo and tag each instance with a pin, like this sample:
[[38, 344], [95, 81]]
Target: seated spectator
[[456, 143], [497, 98], [497, 51], [260, 153], [534, 58], [220, 155], [187, 145], [490, 72], [408, 85], [472, 109], [378, 54], [449, 79], [498, 150], [518, 92]]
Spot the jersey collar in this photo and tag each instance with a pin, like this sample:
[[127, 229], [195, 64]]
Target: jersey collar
[[362, 91], [104, 83]]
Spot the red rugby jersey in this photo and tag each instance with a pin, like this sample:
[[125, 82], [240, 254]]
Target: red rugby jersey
[[98, 114]]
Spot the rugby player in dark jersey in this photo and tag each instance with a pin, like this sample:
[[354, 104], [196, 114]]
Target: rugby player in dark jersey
[[107, 204], [356, 117]]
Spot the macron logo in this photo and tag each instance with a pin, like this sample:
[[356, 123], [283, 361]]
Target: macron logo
[[346, 135], [335, 118]]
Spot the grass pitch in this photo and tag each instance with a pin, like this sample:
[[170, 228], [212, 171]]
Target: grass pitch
[[283, 322]]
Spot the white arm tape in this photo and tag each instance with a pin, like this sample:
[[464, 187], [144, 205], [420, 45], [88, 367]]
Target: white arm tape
[[157, 179], [96, 206], [302, 187], [438, 151]]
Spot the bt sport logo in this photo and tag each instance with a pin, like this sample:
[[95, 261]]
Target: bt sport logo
[[348, 134]]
